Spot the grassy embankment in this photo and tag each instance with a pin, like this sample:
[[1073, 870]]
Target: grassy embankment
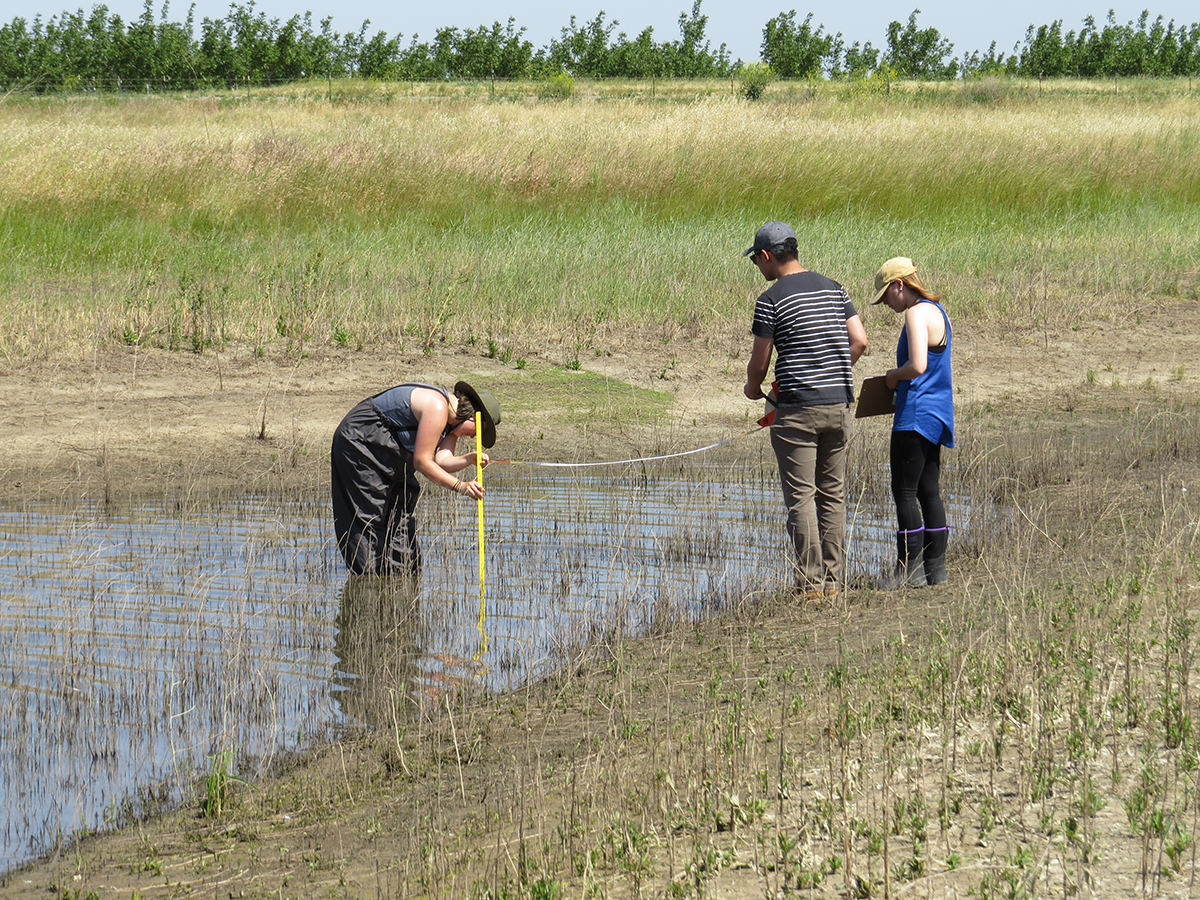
[[285, 218], [1029, 730]]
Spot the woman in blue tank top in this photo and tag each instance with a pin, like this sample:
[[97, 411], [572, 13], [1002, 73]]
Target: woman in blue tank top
[[923, 424]]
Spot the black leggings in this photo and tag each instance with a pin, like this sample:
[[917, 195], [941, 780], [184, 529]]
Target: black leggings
[[916, 469]]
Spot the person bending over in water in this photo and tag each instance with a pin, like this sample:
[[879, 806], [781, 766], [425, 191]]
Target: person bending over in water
[[377, 451]]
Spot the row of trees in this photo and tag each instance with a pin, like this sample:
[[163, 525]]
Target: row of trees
[[1148, 48], [798, 51], [588, 50], [1143, 48], [100, 50]]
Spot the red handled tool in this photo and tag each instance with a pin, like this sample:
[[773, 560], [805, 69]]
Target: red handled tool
[[772, 401]]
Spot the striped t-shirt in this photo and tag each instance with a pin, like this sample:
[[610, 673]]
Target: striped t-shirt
[[805, 315]]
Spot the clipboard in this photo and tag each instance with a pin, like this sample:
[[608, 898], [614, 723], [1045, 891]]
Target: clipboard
[[875, 398]]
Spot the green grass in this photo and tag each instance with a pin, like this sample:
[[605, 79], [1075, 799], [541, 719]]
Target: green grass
[[285, 218]]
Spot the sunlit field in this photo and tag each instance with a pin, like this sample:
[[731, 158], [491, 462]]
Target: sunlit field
[[1027, 729], [378, 215]]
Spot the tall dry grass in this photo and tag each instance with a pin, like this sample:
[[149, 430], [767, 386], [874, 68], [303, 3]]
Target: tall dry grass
[[288, 218]]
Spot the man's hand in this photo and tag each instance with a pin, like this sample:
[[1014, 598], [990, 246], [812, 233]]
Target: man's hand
[[758, 367]]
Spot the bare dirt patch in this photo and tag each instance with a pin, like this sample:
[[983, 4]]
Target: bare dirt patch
[[130, 421]]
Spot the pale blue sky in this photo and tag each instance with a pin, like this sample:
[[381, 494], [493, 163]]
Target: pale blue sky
[[971, 26]]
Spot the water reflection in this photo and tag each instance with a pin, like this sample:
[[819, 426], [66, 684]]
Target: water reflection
[[388, 665], [138, 643]]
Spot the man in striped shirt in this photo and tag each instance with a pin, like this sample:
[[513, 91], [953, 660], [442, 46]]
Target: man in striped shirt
[[809, 321]]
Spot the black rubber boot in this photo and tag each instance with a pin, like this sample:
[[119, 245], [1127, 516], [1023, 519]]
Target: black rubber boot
[[909, 570], [935, 554]]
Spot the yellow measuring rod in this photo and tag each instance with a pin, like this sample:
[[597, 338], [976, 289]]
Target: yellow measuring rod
[[479, 478]]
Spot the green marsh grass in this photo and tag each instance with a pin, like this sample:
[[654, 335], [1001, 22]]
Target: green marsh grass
[[284, 219]]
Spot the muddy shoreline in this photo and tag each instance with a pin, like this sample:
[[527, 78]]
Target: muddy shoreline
[[673, 728], [131, 423]]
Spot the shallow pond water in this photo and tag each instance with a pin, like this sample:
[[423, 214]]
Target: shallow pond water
[[141, 644]]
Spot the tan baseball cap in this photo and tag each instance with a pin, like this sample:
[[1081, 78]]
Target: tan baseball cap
[[895, 268]]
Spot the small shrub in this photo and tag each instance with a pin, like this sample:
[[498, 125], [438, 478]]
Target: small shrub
[[559, 86], [754, 78]]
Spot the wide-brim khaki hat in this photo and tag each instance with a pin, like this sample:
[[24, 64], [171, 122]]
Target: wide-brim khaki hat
[[895, 268], [487, 405]]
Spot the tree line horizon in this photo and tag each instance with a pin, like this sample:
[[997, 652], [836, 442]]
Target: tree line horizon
[[100, 51]]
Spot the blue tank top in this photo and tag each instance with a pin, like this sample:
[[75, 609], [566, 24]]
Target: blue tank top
[[396, 405], [926, 403]]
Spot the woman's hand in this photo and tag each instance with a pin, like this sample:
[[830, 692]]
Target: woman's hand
[[472, 489]]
